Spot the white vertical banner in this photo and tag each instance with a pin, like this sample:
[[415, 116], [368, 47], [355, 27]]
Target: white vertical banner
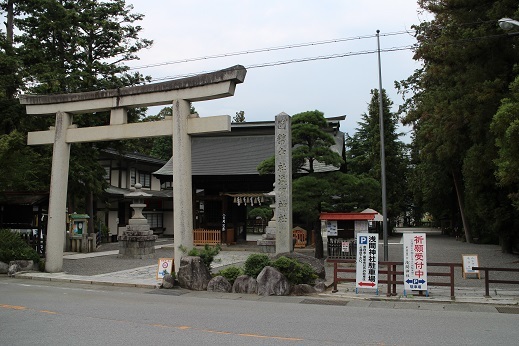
[[415, 262], [367, 260]]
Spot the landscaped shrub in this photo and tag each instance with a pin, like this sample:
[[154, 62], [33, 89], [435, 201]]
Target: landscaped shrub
[[295, 272], [12, 247], [207, 254], [255, 264], [231, 273]]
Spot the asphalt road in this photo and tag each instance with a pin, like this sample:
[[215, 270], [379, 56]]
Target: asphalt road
[[45, 313]]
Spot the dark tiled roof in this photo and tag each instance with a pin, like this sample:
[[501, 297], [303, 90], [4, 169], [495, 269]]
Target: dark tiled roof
[[240, 151], [236, 155], [134, 156], [23, 198]]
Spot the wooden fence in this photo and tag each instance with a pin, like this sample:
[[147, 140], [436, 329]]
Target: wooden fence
[[203, 236]]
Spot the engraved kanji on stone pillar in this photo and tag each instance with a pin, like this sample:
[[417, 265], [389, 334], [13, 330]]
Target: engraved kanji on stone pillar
[[283, 189]]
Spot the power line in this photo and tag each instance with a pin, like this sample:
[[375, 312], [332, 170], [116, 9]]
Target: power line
[[299, 60], [268, 49], [294, 61]]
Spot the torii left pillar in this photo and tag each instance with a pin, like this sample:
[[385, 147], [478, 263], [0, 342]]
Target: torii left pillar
[[58, 200], [181, 126]]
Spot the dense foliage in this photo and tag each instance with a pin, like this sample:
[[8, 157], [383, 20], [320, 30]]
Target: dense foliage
[[62, 47], [295, 271], [12, 247], [207, 254], [231, 273], [255, 263], [468, 64]]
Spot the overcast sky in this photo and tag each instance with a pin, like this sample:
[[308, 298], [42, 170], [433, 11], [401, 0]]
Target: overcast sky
[[340, 86]]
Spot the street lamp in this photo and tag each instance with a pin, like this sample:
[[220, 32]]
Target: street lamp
[[382, 152], [508, 23]]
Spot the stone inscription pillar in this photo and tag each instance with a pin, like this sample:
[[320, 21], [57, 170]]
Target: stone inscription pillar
[[283, 188], [182, 181], [57, 222]]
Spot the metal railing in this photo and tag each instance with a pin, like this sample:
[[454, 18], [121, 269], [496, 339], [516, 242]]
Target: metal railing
[[488, 281], [393, 276]]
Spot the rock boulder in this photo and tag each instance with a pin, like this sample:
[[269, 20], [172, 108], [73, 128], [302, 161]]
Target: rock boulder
[[320, 287], [13, 269], [4, 268], [193, 274], [303, 290], [245, 284], [168, 281], [272, 283], [23, 264], [219, 284]]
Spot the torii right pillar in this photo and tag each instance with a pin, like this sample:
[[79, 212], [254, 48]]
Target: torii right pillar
[[283, 167]]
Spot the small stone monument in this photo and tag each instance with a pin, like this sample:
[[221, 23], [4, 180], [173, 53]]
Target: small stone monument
[[138, 240]]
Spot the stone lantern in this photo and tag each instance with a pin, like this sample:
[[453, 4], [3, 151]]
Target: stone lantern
[[138, 240]]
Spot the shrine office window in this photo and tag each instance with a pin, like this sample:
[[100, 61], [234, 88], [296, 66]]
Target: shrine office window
[[166, 185], [107, 173], [133, 177], [145, 179], [154, 219]]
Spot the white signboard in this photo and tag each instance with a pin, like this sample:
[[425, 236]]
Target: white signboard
[[367, 260], [361, 226], [470, 261], [415, 262], [165, 266], [345, 246], [331, 228]]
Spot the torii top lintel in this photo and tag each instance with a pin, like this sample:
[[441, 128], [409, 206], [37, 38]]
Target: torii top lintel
[[201, 87]]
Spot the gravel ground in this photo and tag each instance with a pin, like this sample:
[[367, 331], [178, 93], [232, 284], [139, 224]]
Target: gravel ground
[[440, 248]]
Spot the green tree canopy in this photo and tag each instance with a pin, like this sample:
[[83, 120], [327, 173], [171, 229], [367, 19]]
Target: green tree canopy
[[451, 102], [505, 125], [68, 46], [239, 117], [310, 143]]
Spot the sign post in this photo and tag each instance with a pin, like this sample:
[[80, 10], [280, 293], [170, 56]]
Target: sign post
[[367, 261], [415, 262]]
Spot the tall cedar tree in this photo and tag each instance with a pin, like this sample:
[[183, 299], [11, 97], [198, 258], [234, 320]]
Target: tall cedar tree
[[505, 126], [26, 168], [363, 154], [73, 46], [467, 67]]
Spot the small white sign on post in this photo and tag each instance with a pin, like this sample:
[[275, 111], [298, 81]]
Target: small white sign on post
[[415, 262], [164, 267], [367, 261]]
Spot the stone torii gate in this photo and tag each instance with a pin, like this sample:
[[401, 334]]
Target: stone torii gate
[[178, 93]]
